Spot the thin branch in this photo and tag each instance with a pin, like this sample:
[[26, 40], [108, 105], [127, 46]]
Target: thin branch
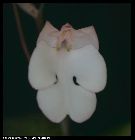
[[39, 19], [21, 35], [29, 8], [39, 22]]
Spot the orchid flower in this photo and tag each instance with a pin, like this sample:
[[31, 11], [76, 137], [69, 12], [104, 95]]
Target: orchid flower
[[67, 70]]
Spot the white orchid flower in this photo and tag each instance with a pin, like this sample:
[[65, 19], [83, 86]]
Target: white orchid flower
[[67, 70]]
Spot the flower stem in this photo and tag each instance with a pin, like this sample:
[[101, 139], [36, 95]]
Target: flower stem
[[65, 127]]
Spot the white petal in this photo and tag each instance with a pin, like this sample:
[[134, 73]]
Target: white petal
[[89, 67], [82, 104], [85, 36], [49, 34], [41, 72], [51, 102]]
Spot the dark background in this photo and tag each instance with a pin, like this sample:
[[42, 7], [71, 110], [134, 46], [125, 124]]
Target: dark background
[[112, 22]]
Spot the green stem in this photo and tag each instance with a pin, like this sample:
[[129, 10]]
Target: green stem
[[65, 127]]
